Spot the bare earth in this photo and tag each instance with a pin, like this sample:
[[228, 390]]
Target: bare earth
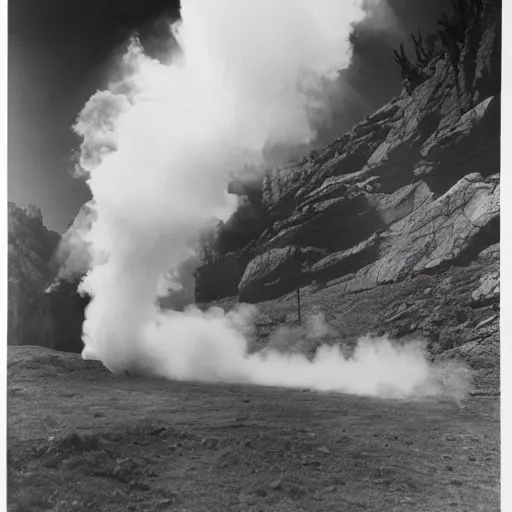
[[80, 438]]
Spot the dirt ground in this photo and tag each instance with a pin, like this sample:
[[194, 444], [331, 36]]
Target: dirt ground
[[80, 438]]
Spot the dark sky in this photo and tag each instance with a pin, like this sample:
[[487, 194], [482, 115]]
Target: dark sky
[[61, 52]]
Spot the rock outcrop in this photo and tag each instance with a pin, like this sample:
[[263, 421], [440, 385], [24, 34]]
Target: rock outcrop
[[276, 272], [422, 173], [346, 262], [31, 246], [35, 317], [413, 190], [451, 230]]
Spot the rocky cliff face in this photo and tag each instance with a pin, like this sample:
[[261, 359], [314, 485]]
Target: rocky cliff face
[[34, 317], [31, 246], [411, 191]]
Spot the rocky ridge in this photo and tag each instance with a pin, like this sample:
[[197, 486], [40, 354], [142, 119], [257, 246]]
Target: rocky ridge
[[31, 246], [35, 317], [413, 190]]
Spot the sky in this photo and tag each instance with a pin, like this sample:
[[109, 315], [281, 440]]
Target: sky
[[61, 51]]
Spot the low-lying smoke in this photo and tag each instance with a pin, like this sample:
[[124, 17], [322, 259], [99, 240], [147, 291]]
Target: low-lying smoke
[[213, 347], [159, 147]]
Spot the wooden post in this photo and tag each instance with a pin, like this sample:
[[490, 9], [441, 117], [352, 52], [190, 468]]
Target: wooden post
[[298, 305]]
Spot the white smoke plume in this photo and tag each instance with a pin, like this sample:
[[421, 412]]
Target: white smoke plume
[[159, 147], [74, 253], [381, 18]]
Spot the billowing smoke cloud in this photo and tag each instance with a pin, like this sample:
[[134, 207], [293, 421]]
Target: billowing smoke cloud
[[74, 254], [381, 18], [159, 147]]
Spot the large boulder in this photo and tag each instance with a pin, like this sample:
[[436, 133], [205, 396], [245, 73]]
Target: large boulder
[[276, 272], [346, 186], [270, 274], [469, 144], [482, 120], [491, 253], [488, 291], [343, 212], [346, 262], [334, 216], [453, 229], [394, 207], [334, 224]]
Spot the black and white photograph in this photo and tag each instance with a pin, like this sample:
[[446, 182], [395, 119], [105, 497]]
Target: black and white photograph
[[253, 255]]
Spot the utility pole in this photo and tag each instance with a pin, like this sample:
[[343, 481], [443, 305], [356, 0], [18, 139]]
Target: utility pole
[[298, 305]]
